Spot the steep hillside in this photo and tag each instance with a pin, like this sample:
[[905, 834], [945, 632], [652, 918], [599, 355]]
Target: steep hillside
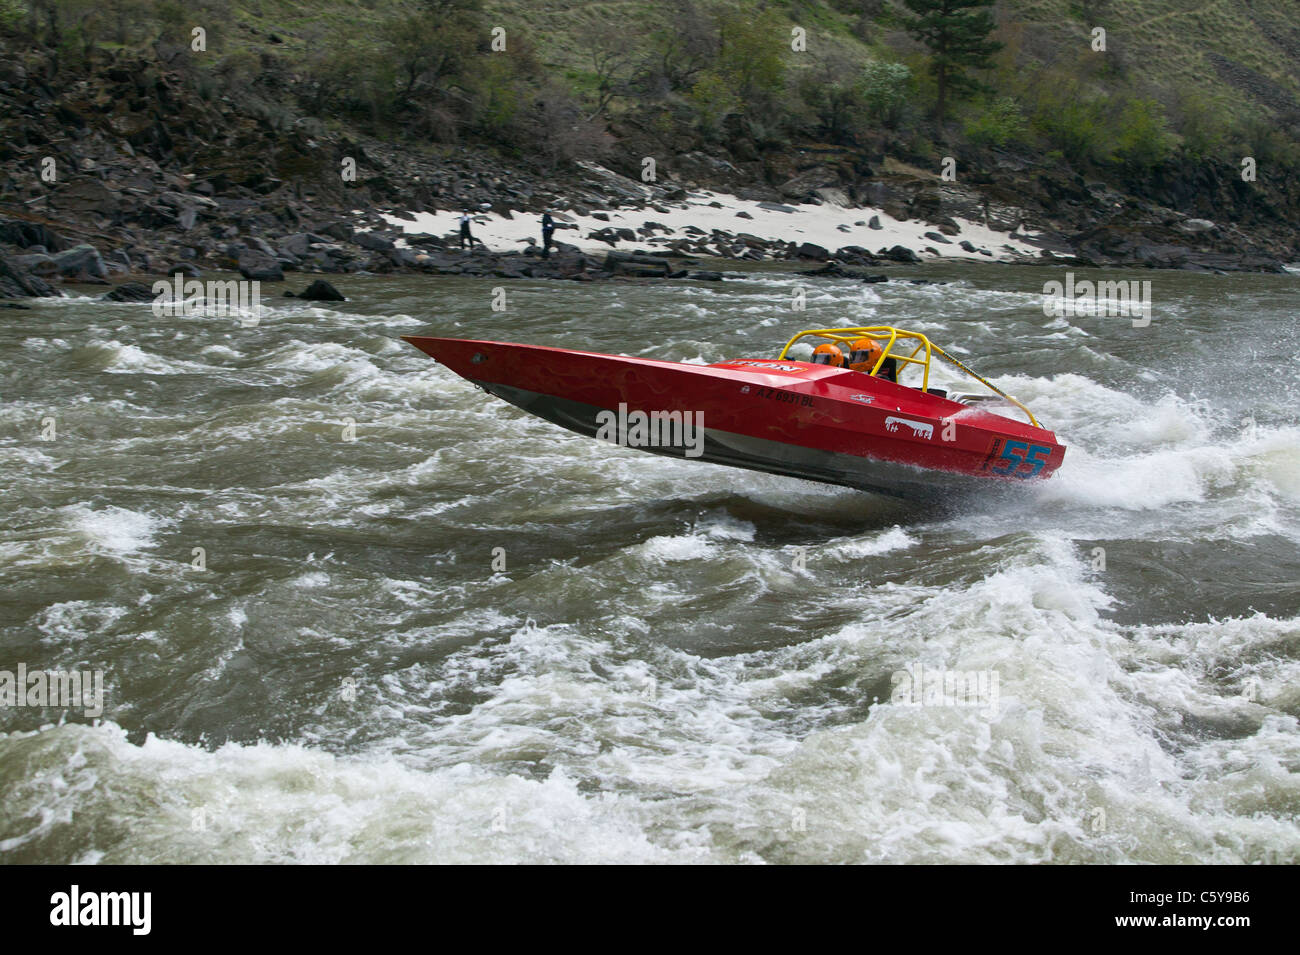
[[438, 104]]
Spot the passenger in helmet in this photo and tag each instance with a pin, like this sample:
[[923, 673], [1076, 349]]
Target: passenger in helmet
[[828, 354]]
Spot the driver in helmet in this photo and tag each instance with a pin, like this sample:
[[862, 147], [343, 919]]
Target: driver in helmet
[[864, 355]]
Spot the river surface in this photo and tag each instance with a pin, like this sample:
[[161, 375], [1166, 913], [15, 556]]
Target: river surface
[[348, 608]]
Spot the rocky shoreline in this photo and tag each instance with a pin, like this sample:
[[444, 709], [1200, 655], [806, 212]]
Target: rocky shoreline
[[134, 198], [95, 235]]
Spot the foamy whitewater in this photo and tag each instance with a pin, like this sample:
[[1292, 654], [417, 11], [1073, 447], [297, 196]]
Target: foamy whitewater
[[350, 609]]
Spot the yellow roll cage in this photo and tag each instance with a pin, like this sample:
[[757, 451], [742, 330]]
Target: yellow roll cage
[[889, 336]]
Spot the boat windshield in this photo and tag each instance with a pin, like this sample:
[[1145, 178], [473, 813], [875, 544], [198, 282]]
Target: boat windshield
[[906, 348]]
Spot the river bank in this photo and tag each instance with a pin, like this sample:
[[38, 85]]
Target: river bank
[[639, 230]]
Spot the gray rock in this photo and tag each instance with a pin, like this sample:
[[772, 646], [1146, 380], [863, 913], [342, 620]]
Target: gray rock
[[373, 242], [337, 230], [86, 195], [38, 264], [259, 267], [17, 282], [261, 245], [806, 183], [80, 260], [810, 250], [874, 223], [297, 244], [833, 196]]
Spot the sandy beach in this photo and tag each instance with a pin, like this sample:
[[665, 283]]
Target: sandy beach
[[829, 226]]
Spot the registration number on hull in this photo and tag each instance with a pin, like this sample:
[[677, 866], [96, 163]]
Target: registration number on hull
[[775, 394]]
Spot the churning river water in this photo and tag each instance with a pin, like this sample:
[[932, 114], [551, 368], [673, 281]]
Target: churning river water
[[347, 608]]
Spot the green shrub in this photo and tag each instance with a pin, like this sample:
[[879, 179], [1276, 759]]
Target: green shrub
[[751, 53], [1142, 139], [998, 123], [1075, 122], [885, 89], [1204, 125], [11, 13], [496, 96], [713, 100]]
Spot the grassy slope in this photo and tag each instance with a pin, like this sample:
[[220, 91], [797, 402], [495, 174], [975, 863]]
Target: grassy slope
[[1243, 54], [1168, 45]]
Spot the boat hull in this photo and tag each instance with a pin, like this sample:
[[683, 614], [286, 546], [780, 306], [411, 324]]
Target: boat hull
[[781, 417]]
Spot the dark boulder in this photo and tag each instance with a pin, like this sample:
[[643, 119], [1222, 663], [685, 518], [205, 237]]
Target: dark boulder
[[855, 255], [17, 282], [374, 242], [810, 250], [900, 253], [635, 263], [321, 291], [28, 234], [85, 195], [337, 230], [130, 292], [805, 183], [259, 267], [296, 245]]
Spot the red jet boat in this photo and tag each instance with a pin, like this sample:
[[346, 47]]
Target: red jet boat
[[843, 418]]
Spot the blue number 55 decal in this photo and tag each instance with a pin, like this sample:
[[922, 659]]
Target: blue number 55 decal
[[1017, 453]]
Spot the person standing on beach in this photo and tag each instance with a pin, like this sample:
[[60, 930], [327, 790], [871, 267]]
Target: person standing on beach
[[464, 231], [548, 229]]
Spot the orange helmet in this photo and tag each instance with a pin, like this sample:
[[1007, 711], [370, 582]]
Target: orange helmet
[[828, 354], [864, 354]]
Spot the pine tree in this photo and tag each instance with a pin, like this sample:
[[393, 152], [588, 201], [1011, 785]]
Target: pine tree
[[957, 35]]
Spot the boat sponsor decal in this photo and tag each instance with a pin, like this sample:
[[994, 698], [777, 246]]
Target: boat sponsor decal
[[766, 365], [919, 429], [652, 429], [865, 399], [776, 394]]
